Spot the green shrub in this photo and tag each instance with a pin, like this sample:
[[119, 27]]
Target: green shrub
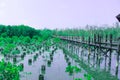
[[9, 71]]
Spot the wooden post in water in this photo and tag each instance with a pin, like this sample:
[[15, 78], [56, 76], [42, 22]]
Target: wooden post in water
[[97, 42], [92, 41], [94, 48], [77, 50], [99, 50], [118, 54], [109, 64], [79, 38], [89, 49], [72, 37], [106, 37]]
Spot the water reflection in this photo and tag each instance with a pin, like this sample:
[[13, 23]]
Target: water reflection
[[97, 58], [55, 62]]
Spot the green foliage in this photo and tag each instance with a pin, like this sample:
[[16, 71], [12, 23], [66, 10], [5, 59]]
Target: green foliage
[[88, 77], [11, 37], [90, 31], [8, 48], [56, 40], [69, 69], [77, 69], [4, 35], [48, 43], [77, 79], [18, 30], [26, 39], [27, 73], [9, 71], [15, 51], [2, 42], [46, 33], [72, 69]]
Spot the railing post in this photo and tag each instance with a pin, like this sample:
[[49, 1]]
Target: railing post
[[111, 40], [98, 38], [94, 38], [99, 49], [82, 38], [106, 37], [89, 40], [100, 41], [118, 50], [109, 68]]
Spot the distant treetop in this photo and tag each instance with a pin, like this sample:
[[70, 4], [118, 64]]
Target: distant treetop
[[19, 30]]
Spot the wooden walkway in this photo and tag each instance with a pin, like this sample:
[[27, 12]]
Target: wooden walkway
[[103, 46], [96, 42]]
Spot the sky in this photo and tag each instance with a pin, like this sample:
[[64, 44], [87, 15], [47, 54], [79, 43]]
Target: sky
[[60, 14]]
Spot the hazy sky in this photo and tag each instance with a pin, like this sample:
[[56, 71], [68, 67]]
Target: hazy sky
[[58, 13]]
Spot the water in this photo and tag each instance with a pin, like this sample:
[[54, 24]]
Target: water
[[108, 65], [55, 71], [1, 57]]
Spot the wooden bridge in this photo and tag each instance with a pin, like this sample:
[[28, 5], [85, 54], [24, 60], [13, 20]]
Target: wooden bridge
[[102, 45], [97, 42]]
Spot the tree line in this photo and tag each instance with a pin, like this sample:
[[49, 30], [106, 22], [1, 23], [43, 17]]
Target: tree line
[[23, 30]]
